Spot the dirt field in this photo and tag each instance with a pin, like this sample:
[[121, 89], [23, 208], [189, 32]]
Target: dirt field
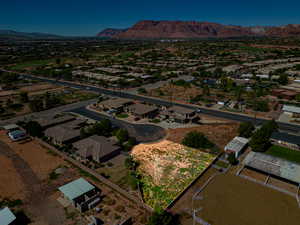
[[36, 156], [218, 134], [232, 200], [38, 87], [167, 168], [11, 185]]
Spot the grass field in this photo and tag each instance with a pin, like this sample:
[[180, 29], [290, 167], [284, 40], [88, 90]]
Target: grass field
[[232, 200], [167, 168], [34, 63], [284, 153]]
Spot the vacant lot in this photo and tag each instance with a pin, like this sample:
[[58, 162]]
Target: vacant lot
[[36, 156], [218, 134], [11, 185], [232, 200], [167, 168]]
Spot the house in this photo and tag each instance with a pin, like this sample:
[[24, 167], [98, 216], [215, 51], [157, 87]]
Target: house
[[290, 110], [51, 121], [65, 133], [281, 93], [17, 135], [142, 110], [116, 104], [81, 194], [182, 115], [97, 148], [236, 146], [7, 217]]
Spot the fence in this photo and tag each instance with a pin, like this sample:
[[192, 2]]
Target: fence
[[98, 176]]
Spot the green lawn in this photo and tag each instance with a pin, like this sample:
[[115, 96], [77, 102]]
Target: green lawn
[[284, 153], [122, 116]]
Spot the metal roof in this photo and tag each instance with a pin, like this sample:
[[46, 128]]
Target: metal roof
[[237, 144], [6, 216], [76, 188], [11, 127], [290, 108], [273, 165]]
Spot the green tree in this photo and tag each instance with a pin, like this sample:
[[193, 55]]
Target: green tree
[[246, 129], [24, 97], [36, 105], [122, 135], [196, 139], [283, 79], [260, 140], [160, 217], [34, 129], [130, 163], [206, 90]]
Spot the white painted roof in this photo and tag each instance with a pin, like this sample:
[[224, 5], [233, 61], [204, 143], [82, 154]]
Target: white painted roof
[[236, 144], [290, 108], [76, 188]]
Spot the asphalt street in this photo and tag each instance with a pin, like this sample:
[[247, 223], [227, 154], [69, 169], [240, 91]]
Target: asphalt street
[[284, 133]]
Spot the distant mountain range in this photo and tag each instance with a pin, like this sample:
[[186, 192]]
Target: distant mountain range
[[110, 32], [149, 29], [11, 34]]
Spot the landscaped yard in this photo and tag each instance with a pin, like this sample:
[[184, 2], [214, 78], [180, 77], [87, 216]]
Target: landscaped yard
[[284, 153], [167, 168]]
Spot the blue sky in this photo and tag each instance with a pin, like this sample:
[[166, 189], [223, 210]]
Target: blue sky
[[87, 17]]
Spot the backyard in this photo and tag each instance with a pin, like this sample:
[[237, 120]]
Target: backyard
[[284, 153]]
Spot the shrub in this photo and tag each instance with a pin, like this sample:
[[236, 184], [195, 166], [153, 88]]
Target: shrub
[[196, 139]]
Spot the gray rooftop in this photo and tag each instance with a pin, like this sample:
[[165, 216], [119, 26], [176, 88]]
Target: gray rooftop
[[76, 188], [237, 144], [290, 108], [142, 109], [273, 165]]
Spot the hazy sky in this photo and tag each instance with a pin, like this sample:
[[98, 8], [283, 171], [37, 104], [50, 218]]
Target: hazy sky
[[87, 17]]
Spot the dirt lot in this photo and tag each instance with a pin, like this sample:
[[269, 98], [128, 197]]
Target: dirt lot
[[232, 200], [42, 164], [253, 174], [11, 185], [218, 134], [38, 87], [25, 173], [167, 168]]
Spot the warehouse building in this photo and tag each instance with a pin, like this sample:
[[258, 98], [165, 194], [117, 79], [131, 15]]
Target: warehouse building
[[277, 167]]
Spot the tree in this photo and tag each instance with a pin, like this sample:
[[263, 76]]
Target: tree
[[130, 163], [160, 217], [283, 79], [34, 129], [24, 97], [246, 129], [130, 144], [122, 135], [206, 90], [260, 140], [196, 139], [232, 159], [36, 105]]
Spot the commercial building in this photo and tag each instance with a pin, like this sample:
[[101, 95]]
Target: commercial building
[[274, 166], [236, 146], [81, 194]]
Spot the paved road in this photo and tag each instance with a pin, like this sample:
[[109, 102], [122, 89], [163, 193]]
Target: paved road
[[142, 132], [285, 128]]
